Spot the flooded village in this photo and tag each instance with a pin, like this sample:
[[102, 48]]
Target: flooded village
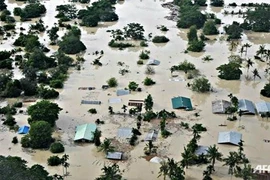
[[134, 92]]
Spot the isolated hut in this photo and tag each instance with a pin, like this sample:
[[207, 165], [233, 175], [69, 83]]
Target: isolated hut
[[246, 106], [229, 137], [151, 136], [90, 102], [201, 150], [136, 103], [153, 62], [122, 92], [85, 132], [23, 130], [263, 107], [220, 106], [181, 103], [114, 155], [124, 132]]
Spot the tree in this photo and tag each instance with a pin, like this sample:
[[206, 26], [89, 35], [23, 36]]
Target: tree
[[124, 107], [40, 134], [266, 90], [230, 71], [134, 31], [249, 64], [196, 46], [234, 31], [160, 39], [133, 86], [261, 51], [192, 34], [246, 45], [148, 81], [208, 172], [200, 2], [106, 146], [28, 86], [148, 103], [112, 82], [45, 111], [52, 33], [187, 157], [209, 28], [217, 3], [110, 110], [97, 135], [246, 172], [213, 155], [110, 172], [3, 5], [54, 161], [150, 148], [64, 163], [71, 45], [57, 147], [163, 170], [256, 74], [201, 85], [231, 161]]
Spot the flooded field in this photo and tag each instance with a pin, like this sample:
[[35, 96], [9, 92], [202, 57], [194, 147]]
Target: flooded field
[[85, 161]]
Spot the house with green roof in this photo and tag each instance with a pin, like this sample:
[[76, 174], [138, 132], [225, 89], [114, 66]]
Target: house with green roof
[[181, 102], [85, 132]]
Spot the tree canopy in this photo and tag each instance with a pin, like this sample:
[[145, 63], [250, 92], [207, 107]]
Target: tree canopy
[[230, 71]]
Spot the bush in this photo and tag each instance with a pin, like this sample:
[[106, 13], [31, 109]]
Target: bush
[[234, 31], [201, 85], [25, 141], [209, 28], [217, 3], [18, 104], [230, 71], [10, 121], [46, 93], [148, 81], [266, 90], [15, 140], [140, 62], [196, 46], [54, 161], [143, 44], [133, 86], [92, 111], [186, 66], [144, 55], [57, 147], [160, 39], [112, 82], [56, 83]]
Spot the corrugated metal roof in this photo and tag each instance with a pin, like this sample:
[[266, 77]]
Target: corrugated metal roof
[[263, 107], [181, 102], [151, 136], [23, 130], [229, 137], [114, 155], [85, 132], [201, 150], [124, 132], [153, 62], [220, 106], [90, 102], [246, 106], [122, 92]]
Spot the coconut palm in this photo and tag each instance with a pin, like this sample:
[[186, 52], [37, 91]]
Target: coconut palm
[[261, 51], [213, 155], [163, 170], [267, 54], [207, 173], [231, 161], [187, 156], [150, 148], [96, 137], [175, 170], [106, 146], [110, 172], [246, 172], [249, 64], [233, 45], [241, 50], [246, 45], [64, 163], [256, 74], [110, 110]]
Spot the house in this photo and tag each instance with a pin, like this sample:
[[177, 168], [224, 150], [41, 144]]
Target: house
[[201, 150], [153, 62], [220, 106], [122, 92], [246, 106], [136, 103], [23, 130], [124, 132], [90, 102], [115, 100], [85, 132], [229, 137], [263, 107], [156, 159], [114, 155], [151, 136], [181, 102]]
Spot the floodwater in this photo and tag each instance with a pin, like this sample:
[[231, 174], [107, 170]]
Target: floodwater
[[85, 161]]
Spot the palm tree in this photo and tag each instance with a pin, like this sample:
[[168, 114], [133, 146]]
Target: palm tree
[[242, 50], [267, 54], [150, 148], [207, 173], [57, 177], [96, 137], [246, 172], [256, 74], [233, 44], [106, 146], [261, 50], [246, 45], [163, 170], [175, 171], [124, 107], [110, 172], [110, 110], [231, 161], [64, 163], [249, 64], [187, 156], [213, 155]]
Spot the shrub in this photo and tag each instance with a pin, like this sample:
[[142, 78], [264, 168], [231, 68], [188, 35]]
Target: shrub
[[148, 81], [57, 147], [18, 104], [160, 39], [186, 66], [25, 141], [201, 85], [10, 121], [143, 44], [234, 31], [140, 62], [217, 3], [112, 82], [209, 28], [92, 111], [196, 46], [144, 55], [46, 93], [230, 71], [57, 83], [266, 90], [54, 161], [14, 140], [133, 86]]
